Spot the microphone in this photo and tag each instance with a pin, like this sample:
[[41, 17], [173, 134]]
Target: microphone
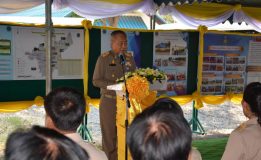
[[122, 59]]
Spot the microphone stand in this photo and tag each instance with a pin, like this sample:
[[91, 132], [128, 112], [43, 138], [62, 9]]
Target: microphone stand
[[122, 59]]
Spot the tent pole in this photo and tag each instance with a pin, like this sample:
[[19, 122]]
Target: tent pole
[[154, 22], [48, 45], [150, 22]]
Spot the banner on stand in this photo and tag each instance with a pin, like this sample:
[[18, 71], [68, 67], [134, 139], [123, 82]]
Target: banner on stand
[[171, 56], [22, 53], [230, 62]]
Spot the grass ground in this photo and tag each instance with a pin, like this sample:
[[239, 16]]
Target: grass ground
[[211, 149]]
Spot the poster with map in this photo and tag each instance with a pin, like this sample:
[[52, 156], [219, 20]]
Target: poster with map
[[171, 56], [29, 53], [6, 53]]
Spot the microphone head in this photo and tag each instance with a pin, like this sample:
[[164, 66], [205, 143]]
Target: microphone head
[[122, 58]]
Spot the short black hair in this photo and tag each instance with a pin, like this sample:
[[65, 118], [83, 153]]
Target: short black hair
[[116, 32], [39, 143], [66, 107], [252, 95], [160, 132]]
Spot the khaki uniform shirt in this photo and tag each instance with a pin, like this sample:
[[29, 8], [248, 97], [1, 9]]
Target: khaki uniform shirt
[[244, 143], [108, 69], [94, 153], [195, 154]]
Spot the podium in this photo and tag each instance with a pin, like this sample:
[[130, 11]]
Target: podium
[[137, 106]]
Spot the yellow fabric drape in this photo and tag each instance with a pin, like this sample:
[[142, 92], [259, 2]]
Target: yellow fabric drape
[[208, 99], [87, 25], [136, 108], [15, 106], [129, 2], [181, 100], [204, 10], [20, 105], [252, 12], [95, 102], [202, 31]]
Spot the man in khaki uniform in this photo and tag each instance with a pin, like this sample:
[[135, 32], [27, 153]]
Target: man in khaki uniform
[[107, 70]]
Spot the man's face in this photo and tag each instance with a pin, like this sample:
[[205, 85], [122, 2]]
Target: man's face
[[119, 43]]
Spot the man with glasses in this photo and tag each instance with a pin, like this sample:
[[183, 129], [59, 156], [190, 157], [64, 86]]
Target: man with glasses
[[107, 70]]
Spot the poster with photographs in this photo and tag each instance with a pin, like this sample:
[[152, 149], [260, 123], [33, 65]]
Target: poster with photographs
[[224, 63], [212, 78], [254, 60], [171, 56]]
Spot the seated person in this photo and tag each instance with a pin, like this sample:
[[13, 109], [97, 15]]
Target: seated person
[[160, 132], [40, 143], [65, 108], [245, 141]]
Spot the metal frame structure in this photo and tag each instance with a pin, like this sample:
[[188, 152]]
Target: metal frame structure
[[48, 45]]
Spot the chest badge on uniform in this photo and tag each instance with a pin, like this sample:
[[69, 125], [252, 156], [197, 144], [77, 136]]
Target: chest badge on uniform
[[128, 64], [112, 63]]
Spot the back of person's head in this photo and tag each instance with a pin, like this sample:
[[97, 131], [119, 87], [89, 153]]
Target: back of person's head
[[160, 132], [66, 108], [252, 96], [40, 143]]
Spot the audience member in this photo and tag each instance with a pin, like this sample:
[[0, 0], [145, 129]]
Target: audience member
[[160, 132], [65, 109], [40, 143], [245, 141]]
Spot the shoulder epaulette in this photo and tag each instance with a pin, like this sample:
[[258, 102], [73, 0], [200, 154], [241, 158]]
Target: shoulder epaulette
[[105, 54], [241, 127]]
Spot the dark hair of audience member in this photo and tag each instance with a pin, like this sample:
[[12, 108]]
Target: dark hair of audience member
[[41, 143], [252, 95], [66, 107], [160, 132]]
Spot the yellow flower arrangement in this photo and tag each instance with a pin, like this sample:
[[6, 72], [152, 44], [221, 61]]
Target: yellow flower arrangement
[[138, 82], [150, 74], [138, 87]]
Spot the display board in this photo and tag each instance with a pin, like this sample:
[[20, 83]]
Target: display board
[[22, 52], [6, 56], [133, 39], [254, 60], [22, 59], [229, 62], [171, 56], [24, 88], [29, 53]]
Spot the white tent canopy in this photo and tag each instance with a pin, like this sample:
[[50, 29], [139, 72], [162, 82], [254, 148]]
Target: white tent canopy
[[220, 27], [90, 9], [61, 21]]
